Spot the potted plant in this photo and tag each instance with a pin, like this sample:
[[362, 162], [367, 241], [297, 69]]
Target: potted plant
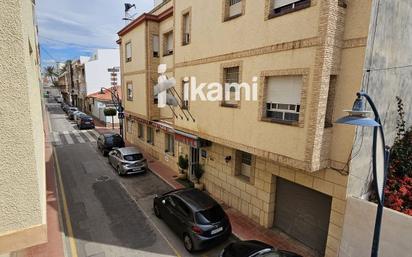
[[183, 164], [198, 172]]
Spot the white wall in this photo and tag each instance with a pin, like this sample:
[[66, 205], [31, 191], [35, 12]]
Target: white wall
[[97, 75], [98, 112], [396, 233], [388, 54]]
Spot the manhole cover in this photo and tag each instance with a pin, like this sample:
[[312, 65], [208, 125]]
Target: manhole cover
[[102, 178]]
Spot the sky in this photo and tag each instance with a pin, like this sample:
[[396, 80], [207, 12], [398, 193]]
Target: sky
[[70, 28]]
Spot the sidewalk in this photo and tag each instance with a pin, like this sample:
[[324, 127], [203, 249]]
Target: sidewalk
[[54, 247], [101, 127], [243, 227]]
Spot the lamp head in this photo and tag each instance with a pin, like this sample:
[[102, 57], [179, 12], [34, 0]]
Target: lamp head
[[358, 115]]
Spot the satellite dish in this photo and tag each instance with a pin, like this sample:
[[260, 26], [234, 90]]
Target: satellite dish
[[128, 6]]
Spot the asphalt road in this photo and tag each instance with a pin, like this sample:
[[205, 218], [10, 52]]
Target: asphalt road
[[107, 215]]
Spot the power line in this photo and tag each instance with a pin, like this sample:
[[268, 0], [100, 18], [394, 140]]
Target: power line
[[390, 68], [73, 44]]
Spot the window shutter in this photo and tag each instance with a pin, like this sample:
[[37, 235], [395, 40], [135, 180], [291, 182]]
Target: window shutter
[[155, 43], [128, 50], [186, 24], [170, 41], [280, 3], [284, 89], [235, 7]]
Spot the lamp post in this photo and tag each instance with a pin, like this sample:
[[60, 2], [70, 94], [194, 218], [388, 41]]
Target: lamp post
[[117, 101], [380, 154]]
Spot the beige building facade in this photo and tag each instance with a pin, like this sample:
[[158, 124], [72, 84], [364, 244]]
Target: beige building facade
[[22, 176], [279, 160]]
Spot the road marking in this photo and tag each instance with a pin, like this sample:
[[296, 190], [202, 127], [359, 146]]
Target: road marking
[[56, 138], [73, 246], [94, 132], [90, 137], [152, 222], [78, 136], [68, 138]]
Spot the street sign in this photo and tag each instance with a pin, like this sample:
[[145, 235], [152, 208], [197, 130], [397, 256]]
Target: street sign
[[113, 69]]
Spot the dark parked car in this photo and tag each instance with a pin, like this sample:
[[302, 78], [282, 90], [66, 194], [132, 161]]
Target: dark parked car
[[254, 249], [65, 107], [106, 142], [195, 217], [127, 160], [71, 111], [85, 122]]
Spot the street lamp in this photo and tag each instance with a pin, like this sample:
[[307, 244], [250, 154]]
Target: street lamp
[[380, 154]]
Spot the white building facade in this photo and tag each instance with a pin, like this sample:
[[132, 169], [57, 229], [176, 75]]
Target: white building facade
[[97, 75]]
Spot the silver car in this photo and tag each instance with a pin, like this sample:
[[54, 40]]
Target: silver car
[[127, 160]]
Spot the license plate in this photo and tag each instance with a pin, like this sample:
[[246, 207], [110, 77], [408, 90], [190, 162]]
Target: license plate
[[215, 231], [87, 123]]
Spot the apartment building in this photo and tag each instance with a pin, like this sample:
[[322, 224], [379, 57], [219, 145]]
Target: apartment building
[[79, 90], [22, 176], [279, 160]]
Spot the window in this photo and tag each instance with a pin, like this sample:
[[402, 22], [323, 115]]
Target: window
[[156, 48], [230, 77], [233, 9], [150, 135], [183, 208], [244, 165], [331, 98], [168, 43], [140, 130], [280, 7], [186, 29], [128, 51], [211, 215], [170, 144], [283, 98], [129, 91], [185, 103]]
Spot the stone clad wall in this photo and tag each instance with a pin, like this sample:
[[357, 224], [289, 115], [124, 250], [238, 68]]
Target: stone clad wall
[[257, 200]]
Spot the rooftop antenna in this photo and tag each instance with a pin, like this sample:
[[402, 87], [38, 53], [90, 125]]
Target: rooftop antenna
[[128, 17]]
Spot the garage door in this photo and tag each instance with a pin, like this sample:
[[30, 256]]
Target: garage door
[[303, 214]]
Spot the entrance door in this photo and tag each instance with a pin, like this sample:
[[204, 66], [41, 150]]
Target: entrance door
[[303, 214], [194, 159]]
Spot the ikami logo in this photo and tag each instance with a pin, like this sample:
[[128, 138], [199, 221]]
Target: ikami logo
[[167, 95]]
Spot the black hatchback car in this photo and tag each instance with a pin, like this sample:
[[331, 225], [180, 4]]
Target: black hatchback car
[[254, 248], [194, 216], [85, 122], [106, 142]]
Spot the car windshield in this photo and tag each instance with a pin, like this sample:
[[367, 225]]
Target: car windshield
[[114, 140], [212, 215], [133, 157]]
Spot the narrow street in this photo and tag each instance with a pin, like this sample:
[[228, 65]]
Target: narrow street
[[108, 215]]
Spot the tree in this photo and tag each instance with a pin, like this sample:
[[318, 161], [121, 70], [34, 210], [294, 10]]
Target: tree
[[64, 68], [50, 72], [110, 112]]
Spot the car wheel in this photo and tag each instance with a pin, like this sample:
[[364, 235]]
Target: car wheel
[[157, 211], [188, 243], [119, 171]]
